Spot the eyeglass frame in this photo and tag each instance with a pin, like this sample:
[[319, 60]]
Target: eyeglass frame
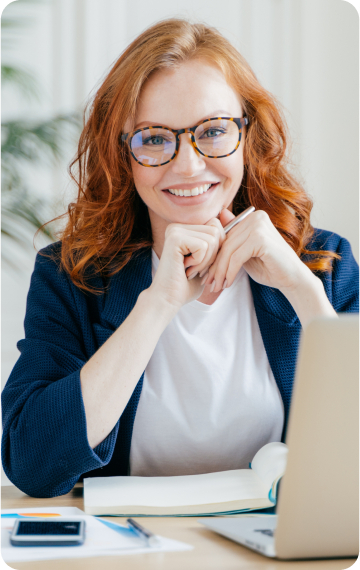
[[240, 122]]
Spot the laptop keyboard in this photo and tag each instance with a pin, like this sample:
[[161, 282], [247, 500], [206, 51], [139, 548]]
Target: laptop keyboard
[[266, 531]]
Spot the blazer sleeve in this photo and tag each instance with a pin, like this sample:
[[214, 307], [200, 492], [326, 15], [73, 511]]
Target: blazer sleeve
[[44, 443], [343, 284]]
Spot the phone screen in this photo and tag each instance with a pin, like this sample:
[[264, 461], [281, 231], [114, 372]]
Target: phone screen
[[48, 527], [34, 532]]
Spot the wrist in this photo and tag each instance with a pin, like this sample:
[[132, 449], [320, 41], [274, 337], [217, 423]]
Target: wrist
[[308, 298], [305, 282], [164, 310]]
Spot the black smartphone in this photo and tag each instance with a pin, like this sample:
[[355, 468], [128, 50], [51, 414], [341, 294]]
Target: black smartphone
[[48, 532]]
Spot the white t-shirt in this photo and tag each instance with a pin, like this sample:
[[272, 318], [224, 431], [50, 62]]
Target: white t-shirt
[[209, 400]]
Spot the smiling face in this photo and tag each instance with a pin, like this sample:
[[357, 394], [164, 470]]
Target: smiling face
[[179, 98]]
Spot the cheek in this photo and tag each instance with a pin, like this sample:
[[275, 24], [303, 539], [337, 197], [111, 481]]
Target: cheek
[[231, 167], [144, 178], [236, 164]]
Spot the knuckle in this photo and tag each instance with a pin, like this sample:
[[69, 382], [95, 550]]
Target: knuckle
[[222, 234], [261, 215], [216, 228], [261, 229], [205, 246], [216, 232], [259, 234], [172, 231], [217, 225], [212, 241]]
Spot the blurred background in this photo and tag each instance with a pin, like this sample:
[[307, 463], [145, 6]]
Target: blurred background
[[56, 52]]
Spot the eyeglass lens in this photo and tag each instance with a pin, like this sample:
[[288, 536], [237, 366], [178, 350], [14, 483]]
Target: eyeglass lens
[[154, 146]]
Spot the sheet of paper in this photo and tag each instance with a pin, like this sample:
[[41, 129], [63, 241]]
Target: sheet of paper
[[100, 539]]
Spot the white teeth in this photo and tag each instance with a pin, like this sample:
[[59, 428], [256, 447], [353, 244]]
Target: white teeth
[[193, 192]]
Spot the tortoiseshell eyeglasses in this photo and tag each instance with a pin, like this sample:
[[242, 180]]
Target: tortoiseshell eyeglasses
[[156, 145]]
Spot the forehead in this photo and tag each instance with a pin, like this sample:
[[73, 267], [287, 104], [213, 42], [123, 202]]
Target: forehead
[[183, 96]]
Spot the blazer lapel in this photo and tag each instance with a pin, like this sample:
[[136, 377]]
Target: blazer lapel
[[280, 330], [125, 287], [120, 299]]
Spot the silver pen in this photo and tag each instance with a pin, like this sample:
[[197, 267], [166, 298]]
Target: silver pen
[[238, 219], [143, 533]]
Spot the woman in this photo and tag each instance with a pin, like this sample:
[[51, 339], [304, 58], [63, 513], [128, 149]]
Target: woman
[[156, 344]]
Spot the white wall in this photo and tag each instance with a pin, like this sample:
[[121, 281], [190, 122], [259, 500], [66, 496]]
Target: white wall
[[304, 51]]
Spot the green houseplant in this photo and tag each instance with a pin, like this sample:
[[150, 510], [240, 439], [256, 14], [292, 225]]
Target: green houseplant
[[26, 142]]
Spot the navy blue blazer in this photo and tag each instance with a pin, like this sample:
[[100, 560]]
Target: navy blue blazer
[[44, 448]]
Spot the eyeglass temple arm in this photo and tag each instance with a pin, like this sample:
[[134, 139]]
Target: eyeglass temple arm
[[242, 122]]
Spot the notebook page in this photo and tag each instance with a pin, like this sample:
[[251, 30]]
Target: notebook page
[[222, 487], [270, 462]]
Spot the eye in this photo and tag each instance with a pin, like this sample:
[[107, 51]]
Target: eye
[[155, 140], [213, 132]]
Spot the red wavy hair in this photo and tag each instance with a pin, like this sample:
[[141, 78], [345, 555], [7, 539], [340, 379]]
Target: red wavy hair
[[109, 222]]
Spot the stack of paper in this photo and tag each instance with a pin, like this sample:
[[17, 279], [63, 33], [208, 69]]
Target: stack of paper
[[101, 538]]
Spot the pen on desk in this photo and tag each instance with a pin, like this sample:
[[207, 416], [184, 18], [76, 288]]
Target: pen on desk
[[143, 533]]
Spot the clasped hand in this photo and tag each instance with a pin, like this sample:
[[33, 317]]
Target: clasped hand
[[256, 245]]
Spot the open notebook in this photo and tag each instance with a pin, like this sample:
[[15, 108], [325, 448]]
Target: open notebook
[[226, 492]]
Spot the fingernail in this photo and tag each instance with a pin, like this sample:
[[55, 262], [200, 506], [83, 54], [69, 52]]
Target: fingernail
[[204, 278], [212, 286], [225, 284], [203, 272], [192, 275]]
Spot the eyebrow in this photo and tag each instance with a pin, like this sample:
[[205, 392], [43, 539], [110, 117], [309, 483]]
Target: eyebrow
[[216, 113]]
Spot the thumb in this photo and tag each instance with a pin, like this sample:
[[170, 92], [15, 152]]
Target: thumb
[[225, 217]]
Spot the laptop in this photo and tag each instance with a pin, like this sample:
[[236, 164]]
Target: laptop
[[317, 510]]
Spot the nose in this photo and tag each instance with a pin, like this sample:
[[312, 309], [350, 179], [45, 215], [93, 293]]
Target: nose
[[188, 161]]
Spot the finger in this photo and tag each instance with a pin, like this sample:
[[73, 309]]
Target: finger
[[213, 228], [195, 262], [218, 271], [214, 222], [185, 242], [257, 225], [221, 237], [199, 244], [237, 260], [208, 273], [212, 238], [193, 230], [221, 263], [205, 228], [233, 239]]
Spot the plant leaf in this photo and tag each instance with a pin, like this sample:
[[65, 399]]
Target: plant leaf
[[28, 210], [28, 141], [22, 79]]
